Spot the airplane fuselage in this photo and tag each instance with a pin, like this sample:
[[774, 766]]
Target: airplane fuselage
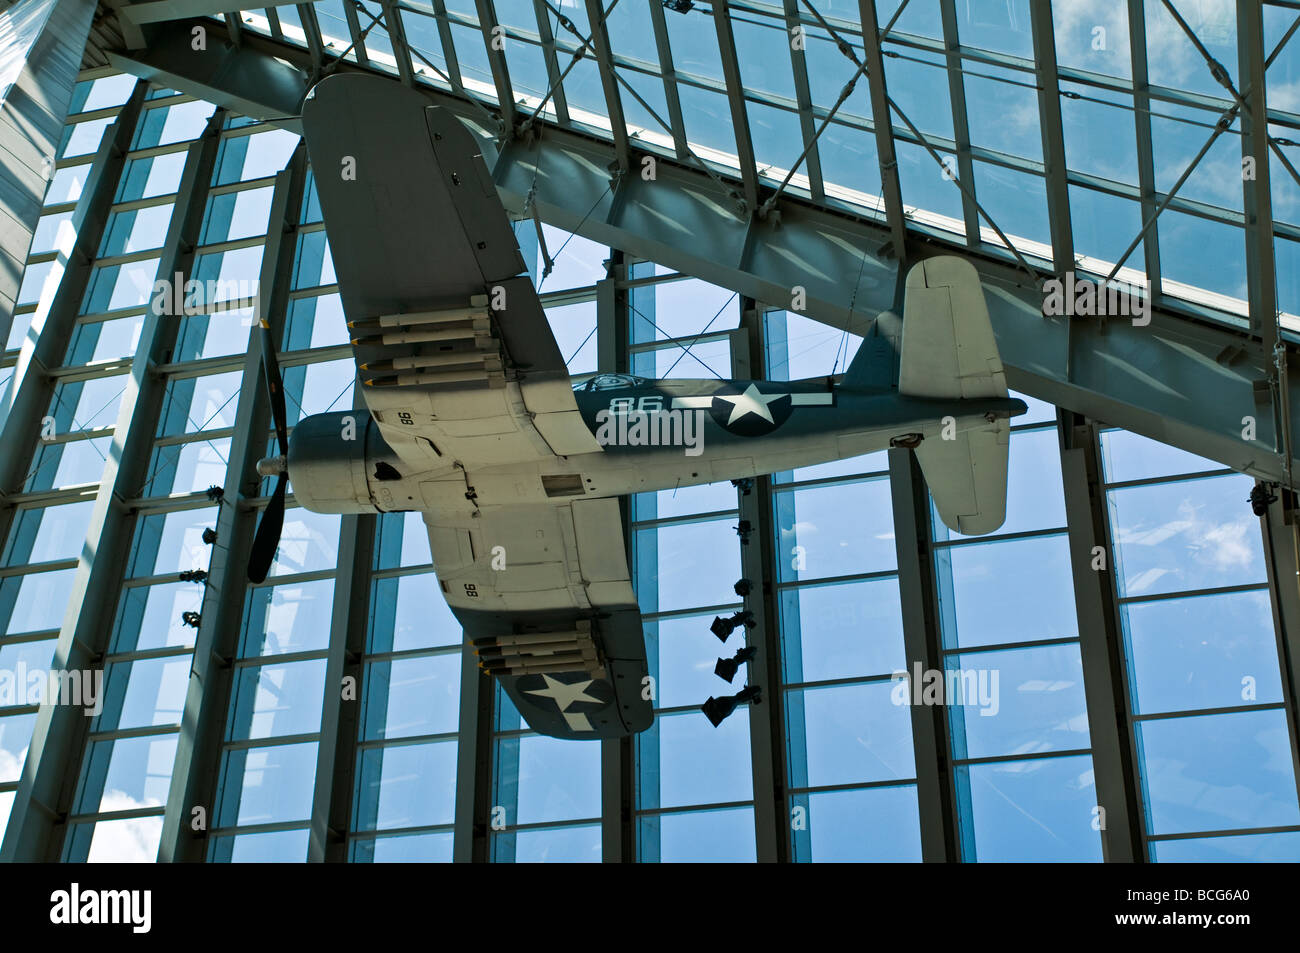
[[654, 435]]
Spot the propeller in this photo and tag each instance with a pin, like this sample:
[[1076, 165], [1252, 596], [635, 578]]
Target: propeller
[[267, 540]]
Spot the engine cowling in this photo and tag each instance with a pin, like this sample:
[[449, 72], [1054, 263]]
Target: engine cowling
[[340, 463]]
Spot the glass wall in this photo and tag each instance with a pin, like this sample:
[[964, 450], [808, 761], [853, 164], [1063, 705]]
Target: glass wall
[[1210, 725]]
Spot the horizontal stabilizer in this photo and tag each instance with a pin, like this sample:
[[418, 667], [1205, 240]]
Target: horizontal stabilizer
[[967, 477]]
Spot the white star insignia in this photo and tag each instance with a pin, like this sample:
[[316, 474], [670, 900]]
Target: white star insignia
[[752, 401], [564, 694]]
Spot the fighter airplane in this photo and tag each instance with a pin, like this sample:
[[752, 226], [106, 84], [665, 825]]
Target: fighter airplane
[[474, 420]]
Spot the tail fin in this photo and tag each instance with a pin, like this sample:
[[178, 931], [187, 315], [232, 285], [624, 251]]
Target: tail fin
[[949, 351], [872, 368]]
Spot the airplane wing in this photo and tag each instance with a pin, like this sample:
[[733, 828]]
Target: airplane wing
[[458, 365], [455, 356], [545, 599]]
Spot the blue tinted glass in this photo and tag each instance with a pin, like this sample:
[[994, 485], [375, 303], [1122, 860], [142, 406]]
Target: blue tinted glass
[[35, 602], [309, 542], [870, 825], [999, 27], [412, 696], [149, 617], [685, 501], [1043, 809], [1002, 110], [15, 736], [267, 785], [288, 618], [131, 840], [1129, 456], [724, 836], [406, 786], [271, 700], [403, 848], [835, 530], [834, 631], [150, 176], [685, 760], [127, 774], [1093, 36], [1218, 772], [145, 692], [409, 613], [1280, 847], [1017, 701], [136, 230], [687, 565], [682, 654], [1202, 652], [977, 608], [557, 780], [1190, 535], [276, 847], [849, 733], [681, 308], [558, 845], [403, 540]]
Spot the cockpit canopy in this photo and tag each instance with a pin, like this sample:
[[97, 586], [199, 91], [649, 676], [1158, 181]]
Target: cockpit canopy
[[609, 382]]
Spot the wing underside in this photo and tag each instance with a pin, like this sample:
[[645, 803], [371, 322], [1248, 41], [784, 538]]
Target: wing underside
[[543, 594], [451, 342]]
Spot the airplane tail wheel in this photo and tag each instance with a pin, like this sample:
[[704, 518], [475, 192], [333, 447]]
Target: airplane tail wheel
[[909, 441]]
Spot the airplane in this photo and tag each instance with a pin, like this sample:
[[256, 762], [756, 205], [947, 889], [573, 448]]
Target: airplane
[[474, 421]]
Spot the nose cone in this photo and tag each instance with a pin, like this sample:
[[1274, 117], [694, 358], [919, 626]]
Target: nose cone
[[273, 466]]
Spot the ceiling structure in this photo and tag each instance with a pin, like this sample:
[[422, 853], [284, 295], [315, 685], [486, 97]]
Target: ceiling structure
[[739, 142], [838, 234]]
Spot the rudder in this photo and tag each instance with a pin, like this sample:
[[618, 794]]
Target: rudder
[[949, 351]]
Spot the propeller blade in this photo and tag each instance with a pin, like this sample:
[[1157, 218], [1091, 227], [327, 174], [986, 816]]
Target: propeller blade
[[267, 540], [275, 387]]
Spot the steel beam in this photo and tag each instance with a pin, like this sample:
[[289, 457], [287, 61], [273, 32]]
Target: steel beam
[[608, 81], [1257, 195], [922, 642], [471, 839], [803, 96], [336, 760], [32, 384], [882, 121], [33, 104], [158, 11], [198, 752], [960, 120], [1183, 378], [669, 74], [553, 68], [1053, 136], [767, 723], [487, 20], [1281, 529], [397, 39], [1101, 642], [736, 100], [38, 822], [244, 79], [1142, 128], [617, 755]]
